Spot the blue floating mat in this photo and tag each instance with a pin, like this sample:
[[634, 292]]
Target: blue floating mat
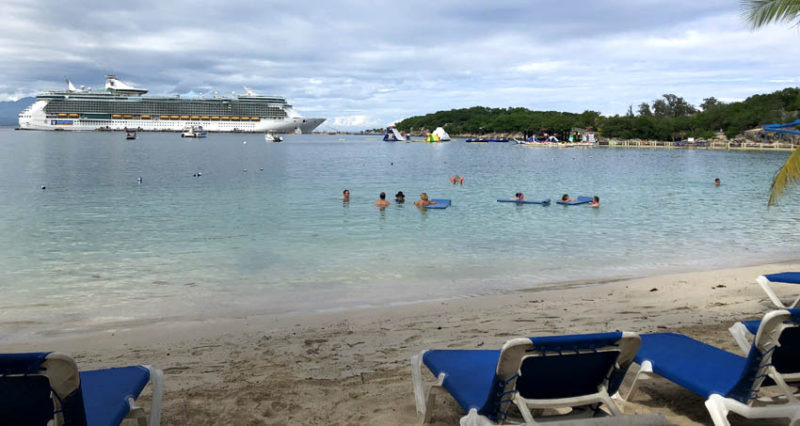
[[581, 200], [547, 201], [440, 204]]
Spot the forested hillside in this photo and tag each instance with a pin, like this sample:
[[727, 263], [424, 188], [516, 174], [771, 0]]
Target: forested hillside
[[669, 117]]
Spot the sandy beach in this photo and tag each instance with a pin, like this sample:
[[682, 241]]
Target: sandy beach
[[353, 367]]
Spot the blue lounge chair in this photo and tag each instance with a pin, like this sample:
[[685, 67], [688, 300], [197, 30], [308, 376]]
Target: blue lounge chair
[[534, 373], [785, 367], [729, 382], [783, 277], [46, 388]]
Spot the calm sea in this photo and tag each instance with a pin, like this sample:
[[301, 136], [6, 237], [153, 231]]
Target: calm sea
[[98, 250]]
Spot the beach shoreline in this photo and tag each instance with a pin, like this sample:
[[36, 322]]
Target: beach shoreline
[[353, 367]]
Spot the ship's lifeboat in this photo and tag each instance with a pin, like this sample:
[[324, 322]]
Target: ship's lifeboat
[[73, 115], [62, 114], [184, 117], [255, 118], [195, 117], [116, 115], [145, 117], [235, 118], [225, 118], [164, 117], [205, 117], [244, 118], [173, 117], [127, 116], [214, 118]]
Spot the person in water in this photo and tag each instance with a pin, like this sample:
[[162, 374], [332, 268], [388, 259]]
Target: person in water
[[382, 201], [457, 179], [346, 195], [565, 198], [519, 196], [595, 202], [423, 201], [716, 182], [400, 197]]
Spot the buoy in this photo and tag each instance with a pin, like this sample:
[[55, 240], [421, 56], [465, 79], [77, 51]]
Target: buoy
[[44, 187]]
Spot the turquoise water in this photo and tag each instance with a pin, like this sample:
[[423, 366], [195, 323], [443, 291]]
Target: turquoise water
[[96, 249]]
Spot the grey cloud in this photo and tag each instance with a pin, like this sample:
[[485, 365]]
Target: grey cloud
[[387, 60]]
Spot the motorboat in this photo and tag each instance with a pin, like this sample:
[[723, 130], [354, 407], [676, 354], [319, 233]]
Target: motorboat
[[194, 132], [271, 137], [130, 135]]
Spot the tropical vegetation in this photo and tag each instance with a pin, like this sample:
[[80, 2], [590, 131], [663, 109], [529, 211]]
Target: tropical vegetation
[[670, 117], [760, 13]]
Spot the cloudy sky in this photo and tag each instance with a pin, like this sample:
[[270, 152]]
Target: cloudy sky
[[365, 64]]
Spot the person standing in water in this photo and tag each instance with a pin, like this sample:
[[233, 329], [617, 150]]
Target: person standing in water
[[346, 195], [595, 202], [382, 201], [716, 182], [423, 201], [400, 197]]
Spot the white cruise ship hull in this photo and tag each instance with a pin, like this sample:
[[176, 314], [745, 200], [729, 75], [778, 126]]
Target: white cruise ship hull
[[123, 107], [34, 118]]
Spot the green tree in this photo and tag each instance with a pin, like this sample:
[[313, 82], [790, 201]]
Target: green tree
[[760, 13], [644, 110]]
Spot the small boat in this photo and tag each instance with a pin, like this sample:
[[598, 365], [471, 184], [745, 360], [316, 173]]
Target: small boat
[[193, 132], [130, 135], [269, 137]]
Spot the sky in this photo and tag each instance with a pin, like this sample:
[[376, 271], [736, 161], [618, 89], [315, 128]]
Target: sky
[[366, 64]]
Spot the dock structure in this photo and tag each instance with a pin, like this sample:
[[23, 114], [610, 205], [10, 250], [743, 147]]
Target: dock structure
[[716, 145]]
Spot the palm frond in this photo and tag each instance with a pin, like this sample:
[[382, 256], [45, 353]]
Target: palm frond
[[762, 12], [787, 175]]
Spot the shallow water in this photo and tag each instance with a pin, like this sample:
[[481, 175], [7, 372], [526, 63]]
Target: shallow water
[[96, 249]]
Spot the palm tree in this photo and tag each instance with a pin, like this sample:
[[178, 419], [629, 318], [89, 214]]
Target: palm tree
[[759, 13], [762, 12]]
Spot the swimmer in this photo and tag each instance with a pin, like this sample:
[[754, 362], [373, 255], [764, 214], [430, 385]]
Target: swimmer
[[423, 201], [519, 196], [565, 198], [139, 180], [595, 202], [400, 197], [716, 182], [457, 179], [346, 195], [44, 187], [382, 202]]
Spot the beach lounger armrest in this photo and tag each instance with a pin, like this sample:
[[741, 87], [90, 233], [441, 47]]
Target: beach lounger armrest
[[742, 336], [764, 283]]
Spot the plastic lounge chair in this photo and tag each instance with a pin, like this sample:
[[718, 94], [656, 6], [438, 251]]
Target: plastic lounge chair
[[783, 277], [47, 389], [729, 382], [785, 368], [533, 373]]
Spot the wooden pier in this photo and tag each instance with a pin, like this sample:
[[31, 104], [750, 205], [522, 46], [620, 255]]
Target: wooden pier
[[733, 146]]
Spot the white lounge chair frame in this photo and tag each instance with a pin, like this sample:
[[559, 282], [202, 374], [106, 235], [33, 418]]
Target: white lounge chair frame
[[62, 372], [512, 355], [764, 283], [744, 339], [719, 406]]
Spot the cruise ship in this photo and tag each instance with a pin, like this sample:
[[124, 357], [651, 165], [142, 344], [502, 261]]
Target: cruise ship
[[121, 106]]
